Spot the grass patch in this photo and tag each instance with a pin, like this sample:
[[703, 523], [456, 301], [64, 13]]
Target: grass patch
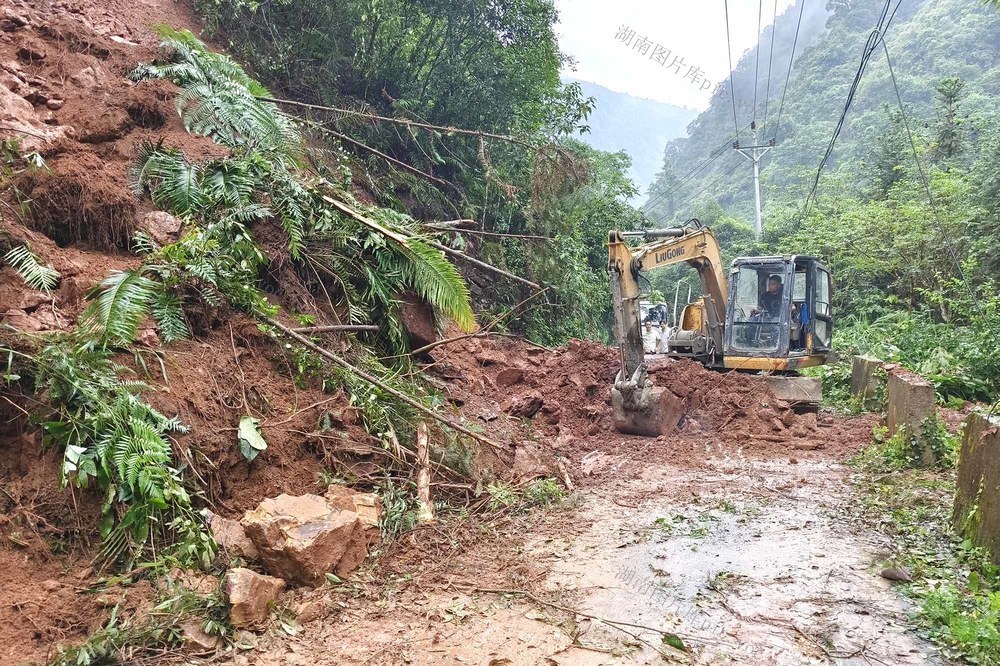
[[539, 492], [904, 450], [955, 586]]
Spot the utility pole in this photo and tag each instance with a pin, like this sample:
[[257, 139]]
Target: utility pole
[[754, 153]]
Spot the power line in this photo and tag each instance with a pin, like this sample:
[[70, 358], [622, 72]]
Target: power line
[[705, 164], [712, 184], [732, 89], [770, 60], [788, 74], [711, 158], [872, 43], [756, 67]]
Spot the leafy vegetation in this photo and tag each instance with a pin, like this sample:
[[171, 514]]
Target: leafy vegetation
[[515, 499], [112, 440], [360, 268], [903, 451], [430, 66], [955, 584], [142, 636], [35, 274]]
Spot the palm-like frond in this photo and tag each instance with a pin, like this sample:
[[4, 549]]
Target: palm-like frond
[[219, 99], [118, 307], [428, 272], [171, 181], [34, 273], [211, 65]]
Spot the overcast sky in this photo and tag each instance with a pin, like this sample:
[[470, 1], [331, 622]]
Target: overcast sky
[[694, 30]]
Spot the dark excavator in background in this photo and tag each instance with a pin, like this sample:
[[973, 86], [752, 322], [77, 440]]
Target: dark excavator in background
[[727, 328]]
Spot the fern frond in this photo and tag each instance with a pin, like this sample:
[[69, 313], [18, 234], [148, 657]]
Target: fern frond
[[171, 181], [168, 313], [35, 274], [142, 243], [118, 307], [290, 201], [428, 272]]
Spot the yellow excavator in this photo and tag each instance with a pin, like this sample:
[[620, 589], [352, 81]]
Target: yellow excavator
[[773, 318]]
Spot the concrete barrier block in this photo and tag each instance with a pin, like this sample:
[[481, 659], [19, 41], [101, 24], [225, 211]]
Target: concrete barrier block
[[796, 390], [911, 404], [868, 379], [977, 495]]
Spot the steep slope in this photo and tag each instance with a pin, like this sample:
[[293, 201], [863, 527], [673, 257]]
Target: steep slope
[[641, 127]]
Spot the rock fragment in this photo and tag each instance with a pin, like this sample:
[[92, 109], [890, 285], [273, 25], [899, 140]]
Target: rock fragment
[[250, 595], [302, 538], [230, 536], [526, 405]]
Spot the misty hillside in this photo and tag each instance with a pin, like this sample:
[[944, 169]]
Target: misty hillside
[[929, 40], [641, 127], [706, 150]]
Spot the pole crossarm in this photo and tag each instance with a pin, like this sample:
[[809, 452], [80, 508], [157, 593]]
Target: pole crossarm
[[754, 153]]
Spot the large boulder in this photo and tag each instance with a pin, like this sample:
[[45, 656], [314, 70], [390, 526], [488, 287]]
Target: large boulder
[[302, 538], [250, 595], [162, 227], [509, 377], [366, 505], [19, 117], [417, 317]]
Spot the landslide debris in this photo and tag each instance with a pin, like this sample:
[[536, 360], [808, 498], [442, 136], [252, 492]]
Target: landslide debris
[[563, 395]]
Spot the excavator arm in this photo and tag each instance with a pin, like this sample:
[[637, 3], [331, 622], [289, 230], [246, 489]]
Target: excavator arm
[[639, 407], [695, 246]]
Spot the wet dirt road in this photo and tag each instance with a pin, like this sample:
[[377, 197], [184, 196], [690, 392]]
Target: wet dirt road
[[749, 562], [746, 561]]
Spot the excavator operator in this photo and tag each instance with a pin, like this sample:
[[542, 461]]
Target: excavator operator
[[770, 300]]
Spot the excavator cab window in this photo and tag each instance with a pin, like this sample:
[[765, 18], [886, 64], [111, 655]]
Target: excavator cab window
[[759, 301], [779, 307]]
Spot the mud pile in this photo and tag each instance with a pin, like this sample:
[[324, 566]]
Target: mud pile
[[562, 398]]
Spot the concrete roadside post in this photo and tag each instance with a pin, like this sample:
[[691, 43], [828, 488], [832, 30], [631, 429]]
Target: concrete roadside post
[[977, 495], [911, 403], [867, 380]]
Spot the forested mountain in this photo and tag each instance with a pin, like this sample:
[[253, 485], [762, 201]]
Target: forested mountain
[[706, 149], [928, 40], [641, 127]]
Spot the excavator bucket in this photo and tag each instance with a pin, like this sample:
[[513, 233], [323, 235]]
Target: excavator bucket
[[649, 411]]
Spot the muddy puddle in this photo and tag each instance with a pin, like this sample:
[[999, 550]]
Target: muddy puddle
[[748, 562]]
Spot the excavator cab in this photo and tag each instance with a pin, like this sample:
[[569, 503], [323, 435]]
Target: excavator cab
[[778, 315]]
